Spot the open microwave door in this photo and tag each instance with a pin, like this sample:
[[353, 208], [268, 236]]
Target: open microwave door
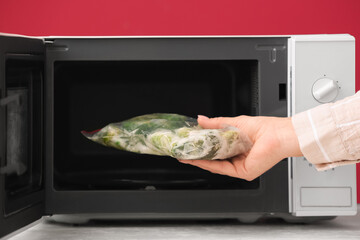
[[21, 132]]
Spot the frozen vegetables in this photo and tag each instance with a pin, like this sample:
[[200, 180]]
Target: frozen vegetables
[[173, 135]]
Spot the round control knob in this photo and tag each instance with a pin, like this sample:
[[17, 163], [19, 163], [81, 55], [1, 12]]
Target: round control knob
[[325, 90]]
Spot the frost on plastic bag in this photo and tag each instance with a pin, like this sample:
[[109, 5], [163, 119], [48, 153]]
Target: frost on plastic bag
[[172, 135]]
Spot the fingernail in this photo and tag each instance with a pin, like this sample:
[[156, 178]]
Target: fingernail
[[203, 117]]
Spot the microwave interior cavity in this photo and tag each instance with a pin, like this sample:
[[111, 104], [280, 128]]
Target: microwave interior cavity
[[91, 94]]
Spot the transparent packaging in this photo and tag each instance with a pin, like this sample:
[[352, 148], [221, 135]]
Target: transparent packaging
[[172, 135]]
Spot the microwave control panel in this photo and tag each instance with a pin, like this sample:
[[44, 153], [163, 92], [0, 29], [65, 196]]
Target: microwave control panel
[[321, 70]]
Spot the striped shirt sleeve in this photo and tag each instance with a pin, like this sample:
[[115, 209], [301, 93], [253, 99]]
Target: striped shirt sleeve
[[329, 135]]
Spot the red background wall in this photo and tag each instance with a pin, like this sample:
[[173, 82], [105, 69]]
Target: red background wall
[[183, 17]]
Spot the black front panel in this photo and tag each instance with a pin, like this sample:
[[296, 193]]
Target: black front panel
[[92, 82]]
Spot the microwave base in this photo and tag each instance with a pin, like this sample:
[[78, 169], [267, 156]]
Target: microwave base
[[80, 219]]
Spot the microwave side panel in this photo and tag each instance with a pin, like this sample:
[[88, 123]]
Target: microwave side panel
[[331, 192]]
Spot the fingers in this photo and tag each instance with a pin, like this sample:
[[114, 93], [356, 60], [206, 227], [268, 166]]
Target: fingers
[[261, 158], [223, 167], [265, 153], [213, 166], [208, 165], [214, 123]]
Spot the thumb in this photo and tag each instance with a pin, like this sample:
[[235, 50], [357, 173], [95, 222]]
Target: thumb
[[214, 123]]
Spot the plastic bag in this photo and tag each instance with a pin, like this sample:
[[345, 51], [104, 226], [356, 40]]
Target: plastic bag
[[173, 135]]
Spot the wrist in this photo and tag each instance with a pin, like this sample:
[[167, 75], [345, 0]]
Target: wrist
[[289, 140]]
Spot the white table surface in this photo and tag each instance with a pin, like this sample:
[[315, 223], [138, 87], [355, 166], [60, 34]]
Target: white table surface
[[340, 228]]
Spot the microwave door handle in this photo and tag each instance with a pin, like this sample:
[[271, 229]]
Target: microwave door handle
[[18, 168], [13, 98]]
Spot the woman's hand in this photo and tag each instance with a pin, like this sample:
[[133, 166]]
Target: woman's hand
[[273, 139]]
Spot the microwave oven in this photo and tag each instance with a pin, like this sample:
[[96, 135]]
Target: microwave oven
[[54, 87]]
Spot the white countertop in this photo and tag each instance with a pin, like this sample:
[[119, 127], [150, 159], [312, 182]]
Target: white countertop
[[340, 228]]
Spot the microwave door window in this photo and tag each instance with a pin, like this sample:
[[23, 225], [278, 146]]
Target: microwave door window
[[23, 138]]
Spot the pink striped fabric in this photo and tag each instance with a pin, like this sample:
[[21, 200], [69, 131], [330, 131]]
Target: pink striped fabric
[[329, 135]]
